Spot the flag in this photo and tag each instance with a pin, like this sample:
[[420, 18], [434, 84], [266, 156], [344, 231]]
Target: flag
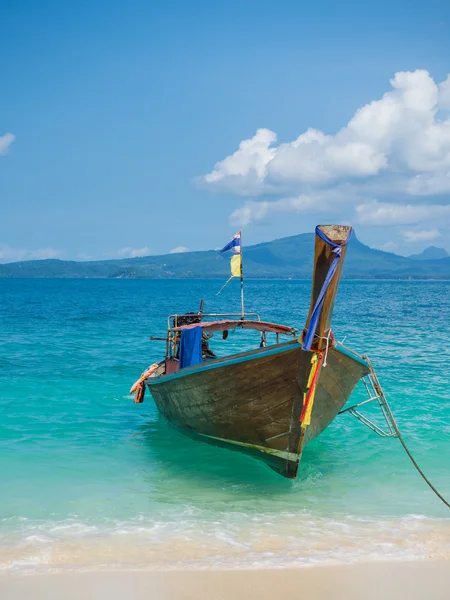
[[235, 265], [234, 244], [236, 260]]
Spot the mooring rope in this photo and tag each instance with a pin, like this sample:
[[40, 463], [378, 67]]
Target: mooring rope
[[421, 473], [379, 391], [138, 387]]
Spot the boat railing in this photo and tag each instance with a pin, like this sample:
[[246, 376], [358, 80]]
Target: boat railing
[[252, 316]]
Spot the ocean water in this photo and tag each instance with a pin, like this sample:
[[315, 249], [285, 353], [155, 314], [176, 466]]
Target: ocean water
[[89, 480]]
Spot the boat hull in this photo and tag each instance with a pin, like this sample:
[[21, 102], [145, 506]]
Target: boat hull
[[252, 402]]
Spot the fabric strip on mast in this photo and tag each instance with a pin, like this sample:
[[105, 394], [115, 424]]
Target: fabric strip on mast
[[235, 265]]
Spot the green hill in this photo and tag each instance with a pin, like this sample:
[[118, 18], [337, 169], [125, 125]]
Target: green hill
[[430, 253], [289, 257]]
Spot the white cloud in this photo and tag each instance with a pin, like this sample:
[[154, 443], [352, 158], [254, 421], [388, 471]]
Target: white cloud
[[444, 93], [392, 148], [179, 249], [43, 253], [244, 171], [129, 252], [424, 235], [383, 213], [258, 211], [430, 184], [315, 159], [9, 254], [388, 247], [330, 201], [5, 142]]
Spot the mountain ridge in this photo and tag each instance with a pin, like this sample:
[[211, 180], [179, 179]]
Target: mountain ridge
[[430, 253], [283, 258]]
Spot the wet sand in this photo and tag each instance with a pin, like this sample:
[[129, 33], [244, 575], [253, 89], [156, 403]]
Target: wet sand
[[427, 579]]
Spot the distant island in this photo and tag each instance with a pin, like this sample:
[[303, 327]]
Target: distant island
[[289, 257], [430, 253]]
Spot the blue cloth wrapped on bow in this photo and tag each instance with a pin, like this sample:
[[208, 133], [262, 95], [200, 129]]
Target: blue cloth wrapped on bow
[[337, 250]]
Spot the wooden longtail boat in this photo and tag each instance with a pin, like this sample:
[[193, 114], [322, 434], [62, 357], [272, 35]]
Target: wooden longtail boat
[[269, 402]]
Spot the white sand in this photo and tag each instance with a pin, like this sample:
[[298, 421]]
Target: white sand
[[427, 580]]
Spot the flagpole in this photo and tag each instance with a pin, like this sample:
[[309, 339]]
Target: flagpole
[[242, 282]]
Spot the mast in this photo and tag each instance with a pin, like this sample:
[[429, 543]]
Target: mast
[[331, 243], [242, 282]]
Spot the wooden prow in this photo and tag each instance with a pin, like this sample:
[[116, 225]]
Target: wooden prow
[[323, 257]]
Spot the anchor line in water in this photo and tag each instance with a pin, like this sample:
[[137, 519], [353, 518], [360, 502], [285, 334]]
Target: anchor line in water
[[421, 473], [392, 423]]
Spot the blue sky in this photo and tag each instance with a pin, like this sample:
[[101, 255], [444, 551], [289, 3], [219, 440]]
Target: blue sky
[[118, 113]]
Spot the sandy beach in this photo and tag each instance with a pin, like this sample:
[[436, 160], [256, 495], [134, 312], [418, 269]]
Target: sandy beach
[[428, 579]]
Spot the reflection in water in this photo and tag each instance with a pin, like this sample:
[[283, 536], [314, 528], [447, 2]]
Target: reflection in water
[[205, 471]]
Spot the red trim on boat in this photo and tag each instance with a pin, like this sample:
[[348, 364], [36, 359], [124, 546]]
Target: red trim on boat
[[230, 324]]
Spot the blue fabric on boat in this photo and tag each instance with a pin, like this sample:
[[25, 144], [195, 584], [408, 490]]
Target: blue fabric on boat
[[190, 347], [329, 242], [337, 248]]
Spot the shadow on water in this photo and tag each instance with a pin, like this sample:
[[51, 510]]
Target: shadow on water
[[200, 472], [182, 457]]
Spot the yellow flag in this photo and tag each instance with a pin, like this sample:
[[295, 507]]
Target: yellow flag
[[235, 265]]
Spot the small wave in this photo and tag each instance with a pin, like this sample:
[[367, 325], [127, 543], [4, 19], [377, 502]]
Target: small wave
[[268, 541]]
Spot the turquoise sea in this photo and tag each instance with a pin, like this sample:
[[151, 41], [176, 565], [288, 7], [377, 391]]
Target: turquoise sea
[[89, 480]]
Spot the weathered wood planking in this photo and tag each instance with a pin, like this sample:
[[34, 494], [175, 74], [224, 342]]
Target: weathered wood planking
[[252, 401]]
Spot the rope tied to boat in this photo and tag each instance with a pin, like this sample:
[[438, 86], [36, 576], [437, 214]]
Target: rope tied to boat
[[313, 322], [330, 336], [330, 342], [390, 420], [138, 387], [400, 437]]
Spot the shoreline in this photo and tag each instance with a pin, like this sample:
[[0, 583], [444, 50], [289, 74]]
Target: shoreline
[[415, 579], [266, 542]]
